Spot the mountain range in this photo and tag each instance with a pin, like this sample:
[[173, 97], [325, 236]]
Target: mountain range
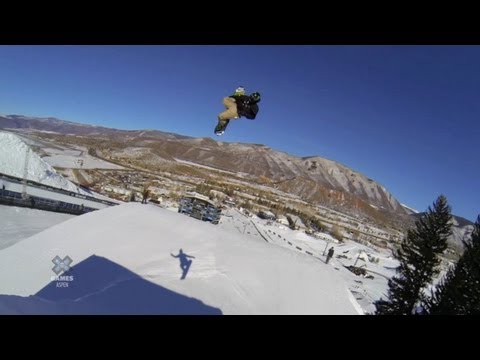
[[313, 179]]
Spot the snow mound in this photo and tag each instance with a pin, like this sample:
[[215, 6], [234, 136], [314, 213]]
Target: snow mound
[[122, 255]]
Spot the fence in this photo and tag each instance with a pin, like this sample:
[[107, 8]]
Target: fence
[[54, 189], [14, 198]]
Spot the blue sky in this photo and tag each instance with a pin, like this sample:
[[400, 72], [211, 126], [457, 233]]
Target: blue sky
[[405, 116]]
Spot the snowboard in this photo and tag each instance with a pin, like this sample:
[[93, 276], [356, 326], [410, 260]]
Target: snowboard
[[185, 269], [221, 126]]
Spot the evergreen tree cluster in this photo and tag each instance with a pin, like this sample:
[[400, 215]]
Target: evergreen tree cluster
[[459, 292], [419, 257]]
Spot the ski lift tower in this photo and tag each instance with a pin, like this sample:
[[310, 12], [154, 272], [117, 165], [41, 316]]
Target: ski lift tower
[[25, 173]]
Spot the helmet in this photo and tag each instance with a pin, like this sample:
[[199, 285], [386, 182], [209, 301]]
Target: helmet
[[240, 90], [255, 96]]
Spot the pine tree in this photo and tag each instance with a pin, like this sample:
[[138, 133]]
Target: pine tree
[[459, 292], [419, 259]]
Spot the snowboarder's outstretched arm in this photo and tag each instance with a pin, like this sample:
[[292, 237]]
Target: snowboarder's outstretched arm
[[193, 257], [175, 256]]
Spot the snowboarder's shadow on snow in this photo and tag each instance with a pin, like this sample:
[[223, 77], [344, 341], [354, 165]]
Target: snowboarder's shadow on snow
[[103, 287], [184, 262]]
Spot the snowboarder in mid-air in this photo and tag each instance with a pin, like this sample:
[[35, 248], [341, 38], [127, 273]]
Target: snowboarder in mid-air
[[237, 105]]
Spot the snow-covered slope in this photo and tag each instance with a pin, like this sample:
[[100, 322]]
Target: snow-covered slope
[[18, 223], [410, 210], [13, 153], [124, 258]]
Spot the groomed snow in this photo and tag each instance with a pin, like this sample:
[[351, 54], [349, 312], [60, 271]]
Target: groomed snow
[[233, 272], [13, 153]]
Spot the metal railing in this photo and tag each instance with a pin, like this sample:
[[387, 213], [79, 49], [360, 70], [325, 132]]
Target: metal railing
[[54, 189], [13, 198]]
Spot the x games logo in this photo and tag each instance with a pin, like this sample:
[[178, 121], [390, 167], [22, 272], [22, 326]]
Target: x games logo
[[61, 265]]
